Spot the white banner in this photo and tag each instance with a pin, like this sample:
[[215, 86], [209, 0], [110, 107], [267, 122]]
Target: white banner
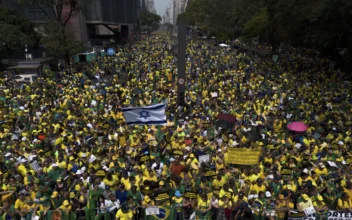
[[332, 215], [152, 211]]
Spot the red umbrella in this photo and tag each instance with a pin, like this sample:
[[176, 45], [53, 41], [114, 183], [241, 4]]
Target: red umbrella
[[297, 126], [227, 117]]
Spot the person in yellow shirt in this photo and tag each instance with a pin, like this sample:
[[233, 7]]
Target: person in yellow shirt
[[125, 213], [22, 169], [239, 198], [203, 207], [321, 208], [258, 187], [344, 203], [20, 206], [304, 202], [218, 183], [282, 206], [321, 170], [147, 202], [66, 207]]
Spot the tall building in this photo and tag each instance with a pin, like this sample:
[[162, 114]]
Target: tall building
[[100, 21], [151, 6], [175, 8]]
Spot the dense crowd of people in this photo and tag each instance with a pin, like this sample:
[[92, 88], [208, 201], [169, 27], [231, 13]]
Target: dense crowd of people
[[66, 152]]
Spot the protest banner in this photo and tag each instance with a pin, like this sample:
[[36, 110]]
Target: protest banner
[[332, 215], [244, 156]]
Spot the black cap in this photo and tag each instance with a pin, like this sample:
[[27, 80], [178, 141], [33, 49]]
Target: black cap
[[124, 207]]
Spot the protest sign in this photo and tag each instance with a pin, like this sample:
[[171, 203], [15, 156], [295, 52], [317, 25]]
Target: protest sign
[[144, 158], [210, 173], [100, 173], [152, 211], [190, 194], [244, 156], [35, 166], [162, 196], [203, 159]]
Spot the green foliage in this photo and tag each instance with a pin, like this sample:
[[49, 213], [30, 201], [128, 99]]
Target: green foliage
[[257, 26], [147, 18], [60, 42], [15, 31]]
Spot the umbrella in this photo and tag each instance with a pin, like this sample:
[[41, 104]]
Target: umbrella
[[223, 45], [227, 117], [297, 126], [224, 124]]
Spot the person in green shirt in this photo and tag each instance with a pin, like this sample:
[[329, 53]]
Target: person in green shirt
[[135, 194], [54, 173], [56, 200]]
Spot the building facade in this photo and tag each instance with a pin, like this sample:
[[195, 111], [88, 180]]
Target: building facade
[[175, 8], [100, 20], [151, 6]]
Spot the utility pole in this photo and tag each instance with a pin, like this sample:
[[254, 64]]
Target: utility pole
[[181, 67]]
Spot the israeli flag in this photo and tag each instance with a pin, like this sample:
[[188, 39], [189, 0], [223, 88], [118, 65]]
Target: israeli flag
[[148, 115]]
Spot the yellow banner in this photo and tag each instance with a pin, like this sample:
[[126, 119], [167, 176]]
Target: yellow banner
[[244, 156]]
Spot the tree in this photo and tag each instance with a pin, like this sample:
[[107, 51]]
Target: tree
[[60, 42], [148, 18], [15, 31], [150, 21], [59, 13], [257, 26]]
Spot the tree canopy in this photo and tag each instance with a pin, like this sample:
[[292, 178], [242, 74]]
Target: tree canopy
[[15, 31], [55, 38], [150, 20], [322, 25]]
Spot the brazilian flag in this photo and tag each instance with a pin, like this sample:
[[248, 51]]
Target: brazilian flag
[[165, 213]]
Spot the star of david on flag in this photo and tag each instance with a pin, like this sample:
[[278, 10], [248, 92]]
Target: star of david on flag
[[147, 115]]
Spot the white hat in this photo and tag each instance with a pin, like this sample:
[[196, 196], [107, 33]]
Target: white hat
[[79, 172], [83, 169], [271, 176], [24, 139], [340, 143], [54, 165], [321, 165], [250, 197], [188, 148], [305, 170], [219, 150], [31, 157], [8, 154], [343, 162], [23, 160], [298, 145], [268, 194], [235, 143], [172, 159]]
